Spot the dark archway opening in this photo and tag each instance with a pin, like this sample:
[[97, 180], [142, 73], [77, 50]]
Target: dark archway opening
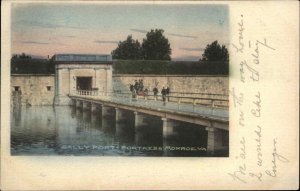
[[84, 83]]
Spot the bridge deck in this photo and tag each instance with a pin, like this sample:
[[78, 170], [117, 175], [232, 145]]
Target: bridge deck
[[184, 108]]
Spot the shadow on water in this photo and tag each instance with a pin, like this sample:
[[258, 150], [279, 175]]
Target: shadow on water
[[65, 130]]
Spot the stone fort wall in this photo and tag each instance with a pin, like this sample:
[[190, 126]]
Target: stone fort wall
[[32, 89], [183, 88], [40, 89], [177, 83]]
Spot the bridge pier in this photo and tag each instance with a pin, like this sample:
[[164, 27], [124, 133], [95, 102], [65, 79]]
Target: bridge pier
[[168, 127], [78, 104], [106, 110], [139, 122], [105, 124], [214, 140], [86, 116], [85, 105], [120, 115], [139, 138], [120, 122], [93, 119], [78, 112], [166, 152], [107, 113], [139, 119], [93, 107]]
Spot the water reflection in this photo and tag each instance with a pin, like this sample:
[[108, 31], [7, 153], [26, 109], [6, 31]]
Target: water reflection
[[33, 130], [66, 130]]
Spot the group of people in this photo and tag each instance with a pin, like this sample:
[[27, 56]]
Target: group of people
[[164, 92], [138, 88]]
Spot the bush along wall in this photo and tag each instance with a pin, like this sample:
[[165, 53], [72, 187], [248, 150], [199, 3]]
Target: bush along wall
[[32, 66], [42, 66], [170, 67]]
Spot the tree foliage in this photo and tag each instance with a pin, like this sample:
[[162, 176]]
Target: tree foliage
[[129, 49], [156, 46], [215, 52]]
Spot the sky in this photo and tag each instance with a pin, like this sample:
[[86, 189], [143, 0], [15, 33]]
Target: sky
[[48, 29]]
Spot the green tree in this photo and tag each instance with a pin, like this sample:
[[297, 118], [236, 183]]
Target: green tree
[[129, 49], [156, 46], [215, 52]]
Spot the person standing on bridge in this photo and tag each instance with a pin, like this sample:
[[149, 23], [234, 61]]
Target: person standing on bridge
[[131, 90], [136, 86], [131, 87], [141, 85], [146, 93], [163, 94], [167, 92], [155, 91]]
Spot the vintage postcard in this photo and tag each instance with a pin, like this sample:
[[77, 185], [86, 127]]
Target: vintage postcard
[[149, 94], [139, 86]]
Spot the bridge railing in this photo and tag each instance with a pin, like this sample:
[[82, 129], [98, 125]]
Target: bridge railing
[[199, 95], [214, 100], [87, 92], [209, 100]]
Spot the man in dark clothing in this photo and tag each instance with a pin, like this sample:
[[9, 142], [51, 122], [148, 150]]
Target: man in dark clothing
[[141, 85], [167, 92], [132, 90], [131, 87], [136, 85], [155, 91], [146, 93], [163, 93]]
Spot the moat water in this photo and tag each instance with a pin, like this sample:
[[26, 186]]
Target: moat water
[[66, 130]]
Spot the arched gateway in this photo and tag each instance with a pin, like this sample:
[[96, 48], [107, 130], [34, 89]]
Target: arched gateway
[[81, 72]]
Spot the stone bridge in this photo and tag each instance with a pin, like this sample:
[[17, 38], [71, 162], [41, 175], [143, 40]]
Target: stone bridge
[[212, 118]]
